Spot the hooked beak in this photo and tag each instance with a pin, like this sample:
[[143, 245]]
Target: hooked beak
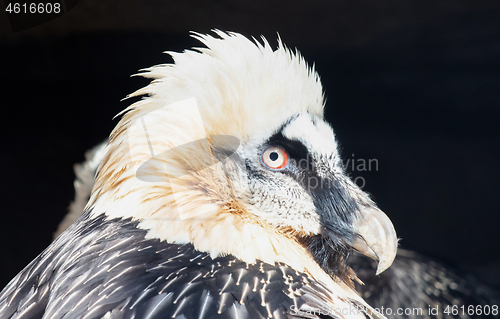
[[349, 216], [376, 237]]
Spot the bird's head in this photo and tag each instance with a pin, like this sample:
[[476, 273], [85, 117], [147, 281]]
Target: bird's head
[[230, 151]]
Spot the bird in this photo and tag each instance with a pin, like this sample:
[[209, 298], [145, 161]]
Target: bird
[[424, 287], [220, 194]]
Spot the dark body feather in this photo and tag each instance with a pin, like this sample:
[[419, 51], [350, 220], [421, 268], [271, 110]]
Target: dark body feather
[[100, 267], [418, 282]]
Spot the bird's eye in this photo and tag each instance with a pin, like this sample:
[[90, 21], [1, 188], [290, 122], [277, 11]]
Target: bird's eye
[[274, 157]]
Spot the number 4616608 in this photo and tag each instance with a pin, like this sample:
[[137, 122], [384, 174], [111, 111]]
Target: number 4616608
[[472, 310], [33, 7]]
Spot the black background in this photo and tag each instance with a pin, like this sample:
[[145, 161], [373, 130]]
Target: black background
[[413, 84]]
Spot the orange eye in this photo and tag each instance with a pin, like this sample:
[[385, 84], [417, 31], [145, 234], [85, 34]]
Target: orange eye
[[274, 157]]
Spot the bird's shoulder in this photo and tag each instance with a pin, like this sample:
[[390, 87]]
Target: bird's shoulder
[[110, 268]]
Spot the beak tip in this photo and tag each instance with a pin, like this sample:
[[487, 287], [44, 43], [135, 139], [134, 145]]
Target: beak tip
[[386, 258], [383, 264]]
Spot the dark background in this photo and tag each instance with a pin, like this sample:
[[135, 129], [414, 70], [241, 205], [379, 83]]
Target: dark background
[[413, 84]]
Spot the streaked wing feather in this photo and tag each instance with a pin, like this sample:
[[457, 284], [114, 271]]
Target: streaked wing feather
[[108, 268]]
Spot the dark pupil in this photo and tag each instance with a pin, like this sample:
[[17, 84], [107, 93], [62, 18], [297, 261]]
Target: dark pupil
[[273, 156]]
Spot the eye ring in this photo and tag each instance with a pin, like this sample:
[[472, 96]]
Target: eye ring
[[274, 157]]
